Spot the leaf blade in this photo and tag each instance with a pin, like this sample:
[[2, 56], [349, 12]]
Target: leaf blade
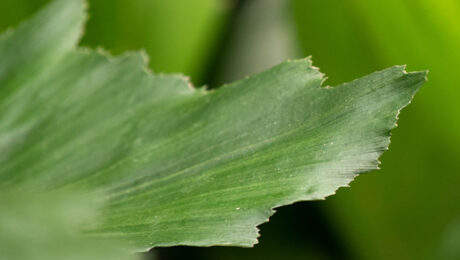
[[180, 166]]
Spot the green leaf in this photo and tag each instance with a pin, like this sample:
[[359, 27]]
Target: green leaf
[[178, 165]]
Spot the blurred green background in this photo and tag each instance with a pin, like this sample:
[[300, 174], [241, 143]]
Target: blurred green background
[[408, 210]]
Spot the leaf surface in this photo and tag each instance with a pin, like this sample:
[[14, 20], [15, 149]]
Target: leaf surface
[[178, 165]]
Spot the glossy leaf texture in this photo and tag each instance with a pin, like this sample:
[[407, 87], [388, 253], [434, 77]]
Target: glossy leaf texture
[[178, 165]]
